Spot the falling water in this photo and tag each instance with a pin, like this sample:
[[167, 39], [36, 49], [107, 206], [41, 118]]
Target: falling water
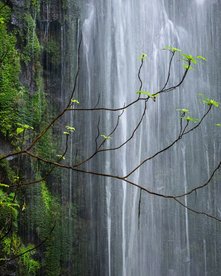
[[132, 232]]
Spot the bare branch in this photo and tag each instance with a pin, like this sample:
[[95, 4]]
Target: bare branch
[[197, 125], [131, 183], [170, 145], [197, 212], [98, 133], [203, 185], [133, 133], [178, 84], [101, 144], [169, 71]]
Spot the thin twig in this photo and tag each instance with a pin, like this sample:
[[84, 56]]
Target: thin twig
[[169, 70]]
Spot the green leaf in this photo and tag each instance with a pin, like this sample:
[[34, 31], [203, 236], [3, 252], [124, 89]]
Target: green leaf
[[172, 49], [27, 127], [191, 119], [213, 102], [201, 57], [143, 56], [11, 196], [4, 185], [70, 128], [22, 127], [189, 58], [183, 110], [75, 101], [146, 93], [13, 205], [218, 125], [187, 67], [60, 156], [66, 133], [105, 137], [19, 130]]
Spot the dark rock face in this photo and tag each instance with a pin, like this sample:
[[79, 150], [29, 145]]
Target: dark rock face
[[16, 3], [9, 269], [5, 146], [51, 12], [49, 28]]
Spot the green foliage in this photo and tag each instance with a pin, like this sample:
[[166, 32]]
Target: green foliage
[[9, 75], [211, 102], [22, 128], [52, 48], [9, 209], [201, 57], [187, 67], [172, 49], [21, 115], [8, 202], [4, 185], [46, 147], [39, 109], [33, 6], [191, 58], [29, 265], [183, 114], [17, 108], [70, 128], [12, 246], [46, 197], [146, 93], [187, 58], [208, 101], [191, 119], [106, 137], [2, 21], [60, 156], [33, 48], [183, 110], [143, 57], [6, 169], [46, 212], [75, 101]]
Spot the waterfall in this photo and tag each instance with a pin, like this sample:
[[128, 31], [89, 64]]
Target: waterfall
[[132, 232]]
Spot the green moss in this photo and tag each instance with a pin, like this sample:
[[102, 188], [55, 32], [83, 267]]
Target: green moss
[[33, 6], [52, 48], [44, 214], [32, 50], [28, 265], [9, 75], [36, 5], [13, 246], [19, 106], [7, 170]]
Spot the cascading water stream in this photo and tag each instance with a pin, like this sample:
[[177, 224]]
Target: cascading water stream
[[133, 233]]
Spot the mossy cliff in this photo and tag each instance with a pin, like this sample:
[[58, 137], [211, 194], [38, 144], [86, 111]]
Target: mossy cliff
[[34, 50]]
